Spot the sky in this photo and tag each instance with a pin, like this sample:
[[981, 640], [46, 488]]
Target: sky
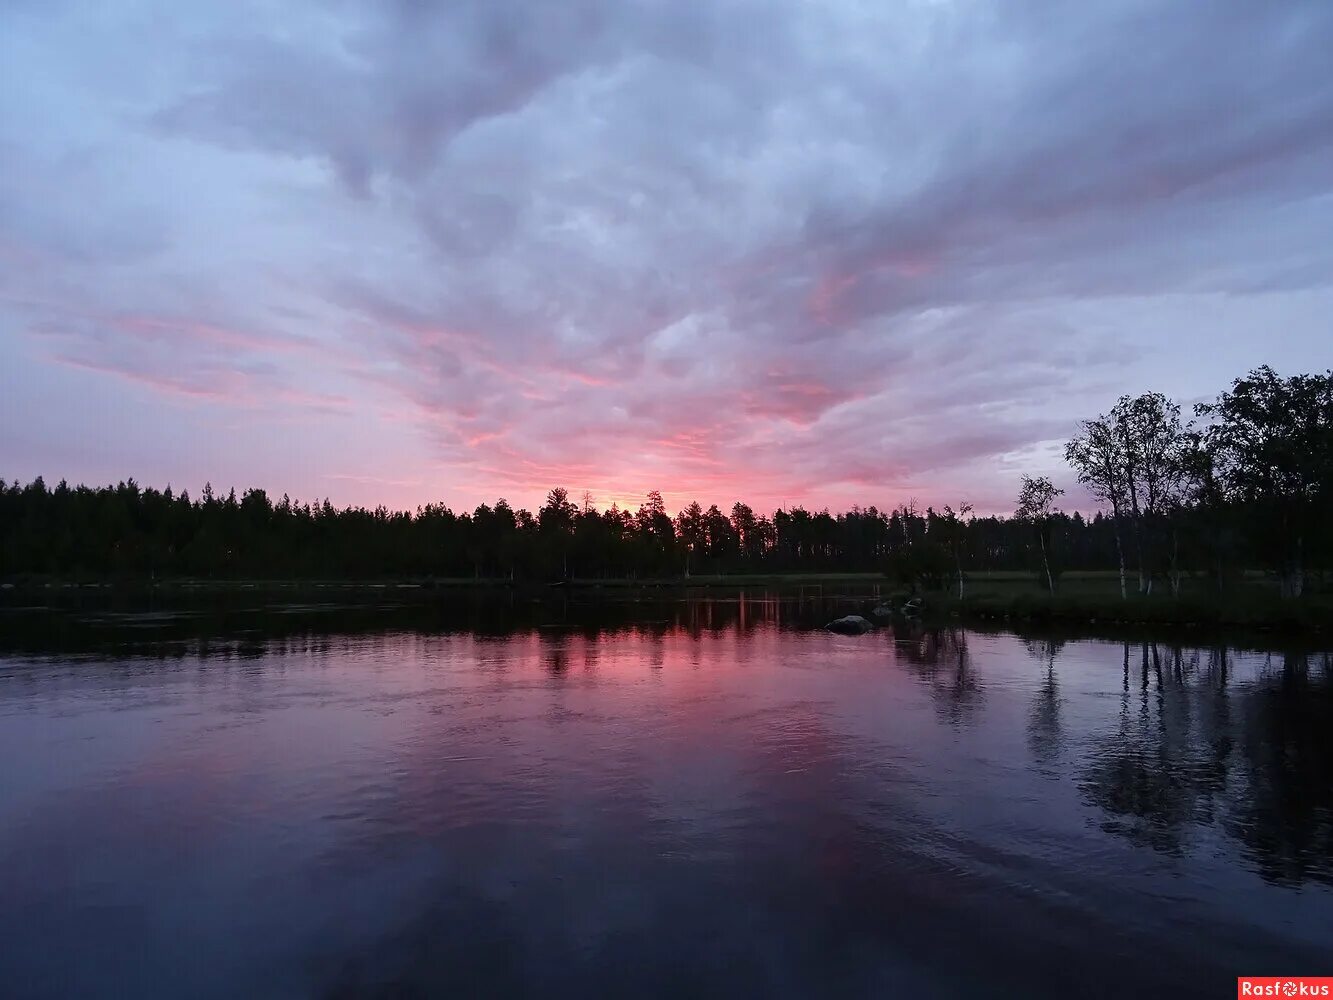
[[835, 253]]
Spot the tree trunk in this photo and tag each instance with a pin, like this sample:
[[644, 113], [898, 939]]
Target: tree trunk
[[1138, 548], [1050, 583], [1293, 574], [1145, 570], [1131, 482], [1175, 563], [1120, 552]]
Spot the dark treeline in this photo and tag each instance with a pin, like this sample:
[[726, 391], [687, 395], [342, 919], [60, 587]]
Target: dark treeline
[[1246, 486], [145, 532]]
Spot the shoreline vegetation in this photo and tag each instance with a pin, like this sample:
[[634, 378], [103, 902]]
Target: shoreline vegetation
[[1226, 518], [1088, 598]]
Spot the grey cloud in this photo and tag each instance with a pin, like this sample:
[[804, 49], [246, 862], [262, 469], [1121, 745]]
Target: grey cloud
[[811, 242]]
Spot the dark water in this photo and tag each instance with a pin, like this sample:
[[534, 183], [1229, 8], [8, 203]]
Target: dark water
[[697, 799]]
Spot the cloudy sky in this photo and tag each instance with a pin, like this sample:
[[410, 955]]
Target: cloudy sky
[[832, 253]]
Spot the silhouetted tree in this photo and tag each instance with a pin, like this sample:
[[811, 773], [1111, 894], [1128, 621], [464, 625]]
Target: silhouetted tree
[[691, 531], [1036, 505], [1097, 455], [1271, 440]]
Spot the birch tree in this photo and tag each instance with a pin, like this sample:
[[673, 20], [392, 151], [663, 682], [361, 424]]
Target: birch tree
[[1036, 504], [1098, 458]]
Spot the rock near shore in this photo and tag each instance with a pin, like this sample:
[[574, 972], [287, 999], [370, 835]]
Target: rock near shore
[[849, 625]]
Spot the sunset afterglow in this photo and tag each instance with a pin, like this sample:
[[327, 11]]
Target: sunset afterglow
[[827, 254]]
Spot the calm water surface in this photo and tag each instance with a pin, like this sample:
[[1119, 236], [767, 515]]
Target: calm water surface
[[702, 799]]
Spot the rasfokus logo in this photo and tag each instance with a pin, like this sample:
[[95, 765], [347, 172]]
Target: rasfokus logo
[[1284, 986]]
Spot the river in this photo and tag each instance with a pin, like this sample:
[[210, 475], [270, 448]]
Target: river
[[696, 798]]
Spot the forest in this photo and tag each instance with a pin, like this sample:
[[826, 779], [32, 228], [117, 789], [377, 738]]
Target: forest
[[1245, 485]]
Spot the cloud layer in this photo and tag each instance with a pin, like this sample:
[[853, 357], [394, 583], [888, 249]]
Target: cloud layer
[[792, 252]]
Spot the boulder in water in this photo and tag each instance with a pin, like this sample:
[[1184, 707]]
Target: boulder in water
[[849, 625]]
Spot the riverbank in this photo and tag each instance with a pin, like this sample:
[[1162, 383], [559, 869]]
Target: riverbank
[[786, 581], [1085, 598], [1251, 610]]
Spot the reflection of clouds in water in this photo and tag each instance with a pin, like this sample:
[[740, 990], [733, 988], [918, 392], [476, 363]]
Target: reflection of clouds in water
[[802, 873], [681, 800]]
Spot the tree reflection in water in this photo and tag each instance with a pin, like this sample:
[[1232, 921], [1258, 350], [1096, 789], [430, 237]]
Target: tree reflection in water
[[1045, 731], [1190, 748], [941, 658], [1285, 815]]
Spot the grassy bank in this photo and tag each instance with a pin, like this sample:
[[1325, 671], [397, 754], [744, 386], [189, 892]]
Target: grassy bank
[[1082, 598], [731, 581], [1094, 597]]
